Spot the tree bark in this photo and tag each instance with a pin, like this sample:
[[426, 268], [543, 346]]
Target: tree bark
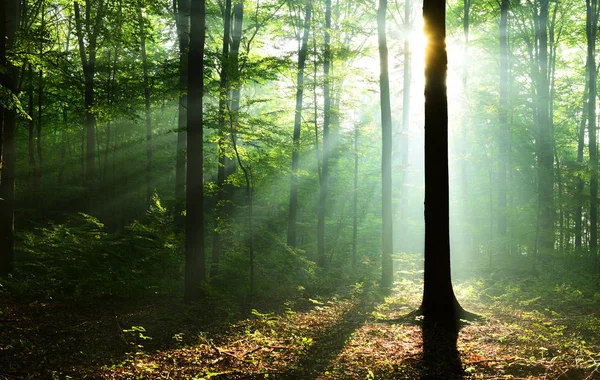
[[293, 209], [149, 178], [88, 62], [387, 267], [183, 26], [439, 302], [9, 23], [195, 267], [323, 188], [591, 31], [222, 205], [504, 132]]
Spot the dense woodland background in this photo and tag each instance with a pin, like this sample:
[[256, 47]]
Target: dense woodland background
[[305, 161]]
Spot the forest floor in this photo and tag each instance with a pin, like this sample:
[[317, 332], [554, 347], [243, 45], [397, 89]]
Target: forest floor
[[358, 335]]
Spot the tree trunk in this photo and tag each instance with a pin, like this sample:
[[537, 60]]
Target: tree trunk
[[579, 184], [503, 132], [544, 146], [9, 22], [439, 302], [591, 31], [183, 26], [293, 210], [404, 236], [322, 212], [222, 204], [88, 62], [387, 267], [355, 196], [149, 180], [195, 267]]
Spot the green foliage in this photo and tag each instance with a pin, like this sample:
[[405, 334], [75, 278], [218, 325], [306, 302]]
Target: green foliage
[[79, 258]]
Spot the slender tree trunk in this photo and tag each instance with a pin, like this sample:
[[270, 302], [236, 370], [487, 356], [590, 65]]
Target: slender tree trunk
[[439, 302], [504, 132], [222, 209], [355, 196], [88, 61], [544, 148], [579, 184], [195, 267], [591, 31], [293, 210], [38, 132], [31, 135], [323, 188], [387, 266], [405, 125], [149, 179], [183, 26]]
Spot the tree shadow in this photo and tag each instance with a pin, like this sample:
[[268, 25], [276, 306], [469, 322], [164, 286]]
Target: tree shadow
[[440, 358], [318, 357]]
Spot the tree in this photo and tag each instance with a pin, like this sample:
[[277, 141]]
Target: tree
[[195, 267], [439, 302], [591, 32], [302, 52], [387, 266], [183, 35], [9, 23], [88, 30], [327, 58], [503, 138], [148, 114]]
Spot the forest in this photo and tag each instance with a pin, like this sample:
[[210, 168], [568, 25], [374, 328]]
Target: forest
[[299, 189]]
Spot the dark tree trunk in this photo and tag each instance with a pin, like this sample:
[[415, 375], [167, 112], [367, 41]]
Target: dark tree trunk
[[387, 267], [591, 31], [88, 61], [149, 180], [322, 212], [439, 302], [293, 210], [31, 134], [195, 267], [183, 26], [9, 22]]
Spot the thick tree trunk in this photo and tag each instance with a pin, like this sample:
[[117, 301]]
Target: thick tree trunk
[[293, 210], [9, 21], [439, 302], [195, 267], [387, 267]]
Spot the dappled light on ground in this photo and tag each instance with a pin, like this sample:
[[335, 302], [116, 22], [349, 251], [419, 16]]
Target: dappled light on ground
[[357, 336]]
